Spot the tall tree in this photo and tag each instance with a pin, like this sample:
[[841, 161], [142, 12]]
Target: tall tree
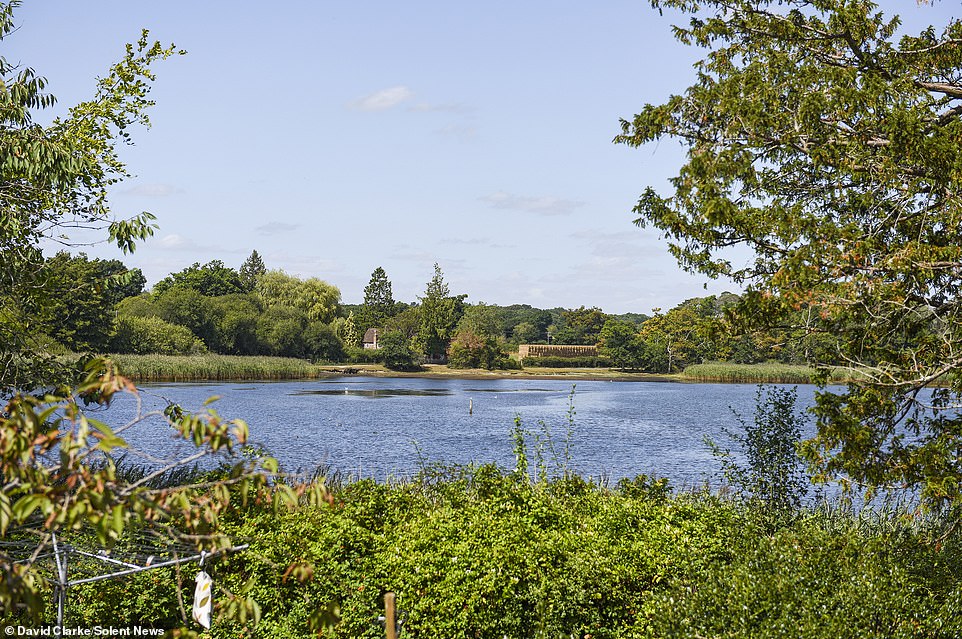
[[53, 179], [252, 268], [57, 467], [83, 296], [378, 301], [828, 143], [439, 315]]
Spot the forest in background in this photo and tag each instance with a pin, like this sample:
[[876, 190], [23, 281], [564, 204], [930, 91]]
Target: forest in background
[[102, 307]]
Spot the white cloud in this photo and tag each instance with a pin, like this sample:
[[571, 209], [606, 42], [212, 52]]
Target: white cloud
[[544, 205], [383, 100], [174, 242]]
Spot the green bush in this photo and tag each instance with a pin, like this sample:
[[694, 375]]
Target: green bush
[[470, 350], [395, 351], [358, 355], [566, 362], [481, 552], [146, 335]]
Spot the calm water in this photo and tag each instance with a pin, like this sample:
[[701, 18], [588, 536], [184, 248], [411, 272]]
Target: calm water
[[377, 427]]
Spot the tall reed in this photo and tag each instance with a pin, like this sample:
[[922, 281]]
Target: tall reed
[[771, 372], [179, 368]]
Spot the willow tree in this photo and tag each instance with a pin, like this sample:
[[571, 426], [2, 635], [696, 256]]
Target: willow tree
[[831, 145]]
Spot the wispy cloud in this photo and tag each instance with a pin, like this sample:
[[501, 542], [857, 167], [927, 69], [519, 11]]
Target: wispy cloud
[[383, 100], [175, 242], [152, 190], [276, 228], [543, 205]]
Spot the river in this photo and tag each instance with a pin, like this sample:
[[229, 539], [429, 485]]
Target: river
[[391, 427]]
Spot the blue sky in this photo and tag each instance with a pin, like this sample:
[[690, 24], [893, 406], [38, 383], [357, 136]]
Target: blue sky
[[334, 137]]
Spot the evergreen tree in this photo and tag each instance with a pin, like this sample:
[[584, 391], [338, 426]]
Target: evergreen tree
[[378, 301], [251, 269], [439, 315]]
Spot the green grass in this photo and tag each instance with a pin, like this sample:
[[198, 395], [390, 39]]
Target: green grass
[[772, 373], [179, 368]]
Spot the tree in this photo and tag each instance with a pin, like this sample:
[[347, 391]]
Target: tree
[[189, 308], [281, 331], [524, 333], [58, 468], [210, 280], [580, 326], [829, 145], [346, 330], [322, 343], [53, 179], [439, 315], [407, 322], [235, 324], [395, 351], [620, 343], [473, 350], [316, 298], [252, 268], [482, 319], [83, 296], [378, 301]]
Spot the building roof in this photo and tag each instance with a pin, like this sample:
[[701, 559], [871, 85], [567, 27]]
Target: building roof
[[370, 335]]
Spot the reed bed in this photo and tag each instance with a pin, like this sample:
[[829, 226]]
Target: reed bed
[[770, 373], [182, 368]]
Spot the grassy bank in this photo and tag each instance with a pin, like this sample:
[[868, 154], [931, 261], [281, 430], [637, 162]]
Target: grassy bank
[[481, 552], [180, 368], [771, 373]]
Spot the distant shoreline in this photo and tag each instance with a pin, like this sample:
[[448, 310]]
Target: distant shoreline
[[225, 368]]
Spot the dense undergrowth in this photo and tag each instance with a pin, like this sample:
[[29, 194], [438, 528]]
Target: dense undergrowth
[[482, 552], [486, 552]]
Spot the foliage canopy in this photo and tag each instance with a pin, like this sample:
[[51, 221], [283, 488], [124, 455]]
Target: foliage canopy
[[829, 145], [58, 464]]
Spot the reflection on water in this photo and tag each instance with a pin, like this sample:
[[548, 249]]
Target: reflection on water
[[509, 390], [379, 392]]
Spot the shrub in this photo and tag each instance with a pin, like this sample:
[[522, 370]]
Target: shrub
[[773, 473], [357, 355], [396, 351], [470, 350], [566, 362], [146, 335], [323, 343]]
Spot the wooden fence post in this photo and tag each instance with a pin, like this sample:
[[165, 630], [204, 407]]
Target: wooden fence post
[[390, 616]]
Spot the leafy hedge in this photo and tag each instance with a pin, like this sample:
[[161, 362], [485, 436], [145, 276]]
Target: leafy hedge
[[479, 552], [566, 362]]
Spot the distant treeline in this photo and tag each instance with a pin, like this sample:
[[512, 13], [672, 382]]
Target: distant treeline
[[101, 306]]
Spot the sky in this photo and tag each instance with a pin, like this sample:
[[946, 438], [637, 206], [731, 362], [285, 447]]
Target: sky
[[337, 136]]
